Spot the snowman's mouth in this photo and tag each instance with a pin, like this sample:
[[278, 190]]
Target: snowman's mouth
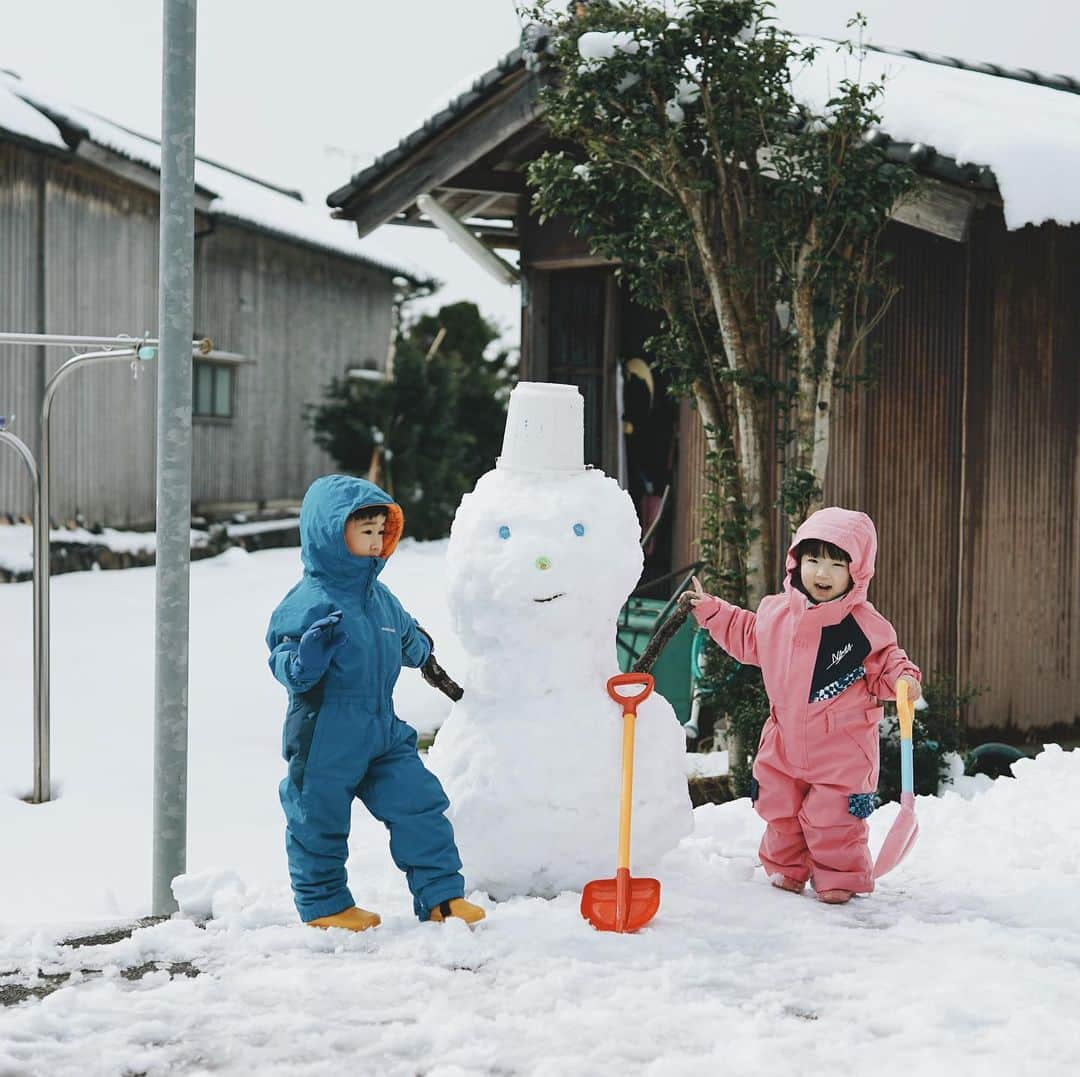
[[551, 599]]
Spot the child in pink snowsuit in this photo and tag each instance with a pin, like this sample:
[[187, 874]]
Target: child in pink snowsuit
[[827, 658]]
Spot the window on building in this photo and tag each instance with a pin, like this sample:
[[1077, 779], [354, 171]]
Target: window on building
[[212, 393]]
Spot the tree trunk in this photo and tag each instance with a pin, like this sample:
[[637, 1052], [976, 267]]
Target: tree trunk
[[751, 427], [813, 408]]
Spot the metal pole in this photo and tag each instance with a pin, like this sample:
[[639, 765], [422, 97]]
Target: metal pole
[[41, 645], [141, 350], [58, 340], [147, 346], [42, 719], [42, 512], [175, 320]]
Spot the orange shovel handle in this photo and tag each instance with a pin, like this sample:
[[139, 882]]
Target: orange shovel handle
[[631, 703], [629, 706]]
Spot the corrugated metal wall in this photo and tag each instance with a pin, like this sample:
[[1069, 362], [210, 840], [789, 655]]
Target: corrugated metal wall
[[895, 450], [21, 177], [1021, 605], [301, 314], [101, 242]]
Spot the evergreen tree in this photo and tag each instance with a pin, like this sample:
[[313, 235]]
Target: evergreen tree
[[485, 383], [434, 427]]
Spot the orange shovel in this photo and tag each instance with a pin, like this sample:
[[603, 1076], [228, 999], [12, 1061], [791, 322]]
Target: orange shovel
[[623, 904], [905, 829]]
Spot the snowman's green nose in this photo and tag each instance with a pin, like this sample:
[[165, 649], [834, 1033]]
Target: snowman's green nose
[[543, 563]]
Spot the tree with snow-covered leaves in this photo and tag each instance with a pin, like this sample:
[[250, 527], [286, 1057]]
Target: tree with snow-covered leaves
[[751, 222]]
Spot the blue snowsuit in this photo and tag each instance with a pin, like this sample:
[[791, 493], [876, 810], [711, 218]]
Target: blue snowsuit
[[341, 738]]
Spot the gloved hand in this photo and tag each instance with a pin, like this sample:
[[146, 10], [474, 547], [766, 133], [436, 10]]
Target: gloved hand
[[437, 677], [317, 647]]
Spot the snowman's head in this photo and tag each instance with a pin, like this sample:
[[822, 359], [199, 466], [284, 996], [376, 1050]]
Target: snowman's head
[[540, 558]]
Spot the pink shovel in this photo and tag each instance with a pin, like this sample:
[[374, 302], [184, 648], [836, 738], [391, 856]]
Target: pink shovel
[[905, 829]]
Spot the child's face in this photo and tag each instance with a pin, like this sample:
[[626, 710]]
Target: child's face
[[824, 578], [364, 538]]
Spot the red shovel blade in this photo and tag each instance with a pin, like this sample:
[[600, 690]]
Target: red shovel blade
[[621, 904], [900, 839]]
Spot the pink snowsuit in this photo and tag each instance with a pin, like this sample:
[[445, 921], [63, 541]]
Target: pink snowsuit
[[825, 667]]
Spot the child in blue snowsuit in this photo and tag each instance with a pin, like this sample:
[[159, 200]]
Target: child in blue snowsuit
[[338, 641]]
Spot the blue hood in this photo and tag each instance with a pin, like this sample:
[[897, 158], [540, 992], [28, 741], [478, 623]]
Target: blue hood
[[327, 505]]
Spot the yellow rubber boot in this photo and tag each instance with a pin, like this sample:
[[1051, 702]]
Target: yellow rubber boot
[[459, 908], [354, 919]]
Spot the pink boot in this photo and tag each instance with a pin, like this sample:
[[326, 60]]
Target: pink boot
[[783, 882], [835, 897]]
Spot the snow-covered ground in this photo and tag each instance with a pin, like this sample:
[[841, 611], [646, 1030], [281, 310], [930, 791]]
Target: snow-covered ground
[[966, 960]]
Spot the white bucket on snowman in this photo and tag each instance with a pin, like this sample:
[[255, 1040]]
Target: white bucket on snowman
[[544, 425]]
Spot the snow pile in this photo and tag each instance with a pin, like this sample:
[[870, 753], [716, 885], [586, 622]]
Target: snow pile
[[1017, 842], [538, 569], [17, 542], [707, 764], [956, 781], [215, 894]]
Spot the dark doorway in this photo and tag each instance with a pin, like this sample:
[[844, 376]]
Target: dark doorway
[[576, 346], [650, 421]]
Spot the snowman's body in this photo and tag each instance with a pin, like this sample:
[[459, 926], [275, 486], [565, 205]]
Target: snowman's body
[[538, 569]]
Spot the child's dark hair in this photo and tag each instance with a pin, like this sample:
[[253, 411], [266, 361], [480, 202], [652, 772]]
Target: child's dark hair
[[368, 512], [822, 549]]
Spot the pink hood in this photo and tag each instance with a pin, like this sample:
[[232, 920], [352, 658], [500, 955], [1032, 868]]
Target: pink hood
[[784, 635], [854, 533]]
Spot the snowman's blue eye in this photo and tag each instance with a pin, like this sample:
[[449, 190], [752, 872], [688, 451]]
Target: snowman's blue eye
[[504, 532], [579, 529]]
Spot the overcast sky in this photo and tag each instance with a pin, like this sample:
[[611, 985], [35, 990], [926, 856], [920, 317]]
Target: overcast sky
[[306, 92], [300, 92]]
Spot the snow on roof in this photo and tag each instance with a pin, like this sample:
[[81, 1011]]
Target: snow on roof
[[1038, 34], [28, 111], [1024, 127], [22, 119], [1028, 134]]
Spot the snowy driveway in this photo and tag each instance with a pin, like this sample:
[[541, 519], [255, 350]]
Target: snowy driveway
[[966, 961]]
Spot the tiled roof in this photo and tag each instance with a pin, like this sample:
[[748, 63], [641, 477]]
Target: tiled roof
[[920, 155], [481, 88]]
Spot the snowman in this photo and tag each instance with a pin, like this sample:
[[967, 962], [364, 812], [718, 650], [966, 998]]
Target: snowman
[[542, 556]]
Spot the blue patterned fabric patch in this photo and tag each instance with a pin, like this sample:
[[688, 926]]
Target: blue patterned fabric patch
[[831, 691], [862, 805]]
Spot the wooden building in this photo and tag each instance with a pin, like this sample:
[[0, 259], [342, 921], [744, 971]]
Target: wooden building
[[277, 281], [965, 452]]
